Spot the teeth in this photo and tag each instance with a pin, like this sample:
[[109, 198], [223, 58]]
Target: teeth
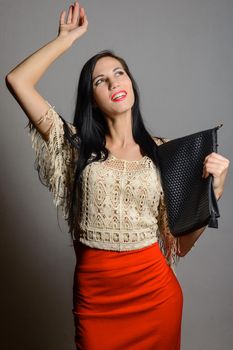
[[119, 95]]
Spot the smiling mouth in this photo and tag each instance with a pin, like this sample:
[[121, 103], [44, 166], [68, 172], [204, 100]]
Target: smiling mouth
[[119, 99]]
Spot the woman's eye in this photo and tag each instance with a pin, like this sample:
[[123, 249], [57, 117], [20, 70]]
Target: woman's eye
[[99, 80], [120, 72]]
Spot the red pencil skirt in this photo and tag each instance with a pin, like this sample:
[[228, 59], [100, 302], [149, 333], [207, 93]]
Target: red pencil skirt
[[127, 300]]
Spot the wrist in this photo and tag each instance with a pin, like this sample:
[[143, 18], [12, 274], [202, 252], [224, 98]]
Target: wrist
[[64, 42]]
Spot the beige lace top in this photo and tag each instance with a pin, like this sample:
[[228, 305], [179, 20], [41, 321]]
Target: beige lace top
[[122, 205]]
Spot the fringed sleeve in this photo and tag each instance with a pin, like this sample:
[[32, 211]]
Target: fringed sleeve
[[168, 243], [54, 158]]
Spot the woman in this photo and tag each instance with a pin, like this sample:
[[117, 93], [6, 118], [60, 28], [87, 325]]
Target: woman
[[102, 171]]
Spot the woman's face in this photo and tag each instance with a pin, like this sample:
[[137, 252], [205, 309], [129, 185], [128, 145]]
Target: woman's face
[[113, 80]]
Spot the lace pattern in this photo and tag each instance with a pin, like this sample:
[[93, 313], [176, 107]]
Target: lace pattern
[[121, 204], [119, 240], [119, 199]]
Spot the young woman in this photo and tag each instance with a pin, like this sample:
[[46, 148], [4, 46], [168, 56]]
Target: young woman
[[103, 172]]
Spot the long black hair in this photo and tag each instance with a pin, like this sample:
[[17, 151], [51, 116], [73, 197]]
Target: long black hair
[[92, 127]]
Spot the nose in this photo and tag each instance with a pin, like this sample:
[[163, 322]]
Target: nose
[[113, 84]]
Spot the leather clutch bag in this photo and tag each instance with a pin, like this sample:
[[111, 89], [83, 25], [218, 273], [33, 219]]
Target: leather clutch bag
[[189, 198]]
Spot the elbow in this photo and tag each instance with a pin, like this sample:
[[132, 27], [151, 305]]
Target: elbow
[[179, 251], [10, 80], [181, 254], [7, 80], [182, 247], [13, 84], [9, 84]]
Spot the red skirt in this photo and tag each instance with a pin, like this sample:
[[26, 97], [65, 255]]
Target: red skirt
[[127, 300]]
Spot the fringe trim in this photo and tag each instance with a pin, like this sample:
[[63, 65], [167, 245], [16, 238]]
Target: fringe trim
[[54, 159], [169, 244]]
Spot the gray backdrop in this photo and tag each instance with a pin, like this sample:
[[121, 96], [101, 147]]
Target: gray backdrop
[[180, 52]]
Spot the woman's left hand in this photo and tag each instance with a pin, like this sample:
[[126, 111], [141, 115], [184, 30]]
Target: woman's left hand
[[218, 166]]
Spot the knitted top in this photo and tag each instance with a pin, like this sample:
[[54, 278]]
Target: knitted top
[[122, 202]]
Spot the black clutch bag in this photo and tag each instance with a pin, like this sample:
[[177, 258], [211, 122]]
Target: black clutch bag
[[189, 198]]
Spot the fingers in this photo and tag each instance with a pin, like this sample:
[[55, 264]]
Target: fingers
[[75, 12], [70, 14], [76, 23], [84, 18], [62, 17], [76, 15]]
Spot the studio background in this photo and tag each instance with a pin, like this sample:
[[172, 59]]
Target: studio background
[[180, 53]]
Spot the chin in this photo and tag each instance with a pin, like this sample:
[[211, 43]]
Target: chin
[[122, 110]]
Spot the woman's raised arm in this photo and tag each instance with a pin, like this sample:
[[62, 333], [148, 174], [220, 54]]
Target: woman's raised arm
[[22, 79]]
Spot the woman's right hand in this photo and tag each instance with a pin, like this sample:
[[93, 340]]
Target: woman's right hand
[[75, 25]]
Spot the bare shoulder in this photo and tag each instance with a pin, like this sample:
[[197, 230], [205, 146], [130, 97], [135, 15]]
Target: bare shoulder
[[160, 141]]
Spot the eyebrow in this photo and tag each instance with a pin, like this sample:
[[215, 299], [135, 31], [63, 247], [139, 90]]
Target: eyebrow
[[101, 75]]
